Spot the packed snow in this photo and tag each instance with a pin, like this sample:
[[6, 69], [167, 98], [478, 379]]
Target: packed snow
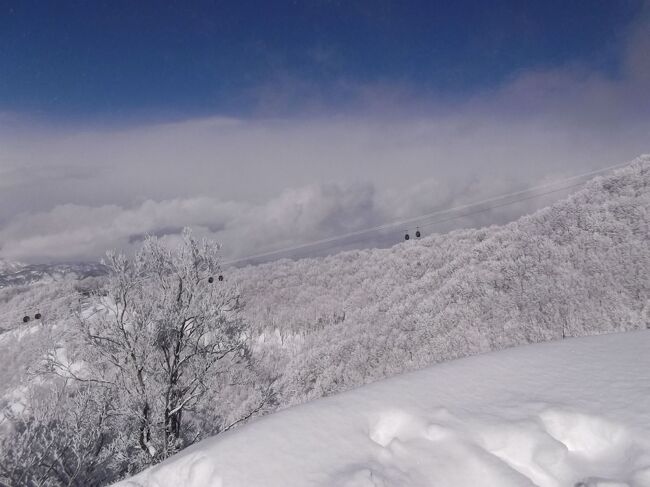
[[570, 413]]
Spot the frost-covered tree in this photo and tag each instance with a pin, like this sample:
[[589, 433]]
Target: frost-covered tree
[[166, 326], [62, 437], [154, 360]]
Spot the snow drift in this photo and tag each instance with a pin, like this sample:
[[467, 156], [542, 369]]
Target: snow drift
[[574, 412]]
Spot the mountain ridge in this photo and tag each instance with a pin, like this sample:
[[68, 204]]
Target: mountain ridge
[[578, 267]]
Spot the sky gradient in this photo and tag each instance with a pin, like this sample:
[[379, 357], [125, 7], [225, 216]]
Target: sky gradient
[[121, 59], [271, 124]]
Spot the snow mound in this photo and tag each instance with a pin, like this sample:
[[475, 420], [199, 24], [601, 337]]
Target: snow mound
[[569, 413]]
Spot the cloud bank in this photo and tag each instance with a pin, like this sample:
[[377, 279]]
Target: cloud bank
[[69, 193], [296, 216]]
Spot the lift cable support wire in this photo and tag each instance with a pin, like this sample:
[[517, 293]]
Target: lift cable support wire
[[413, 220], [422, 221]]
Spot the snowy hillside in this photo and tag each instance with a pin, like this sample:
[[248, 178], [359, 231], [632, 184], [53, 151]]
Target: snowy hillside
[[574, 412], [317, 327], [579, 267]]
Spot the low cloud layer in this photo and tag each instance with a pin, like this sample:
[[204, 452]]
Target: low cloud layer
[[69, 193], [296, 216]]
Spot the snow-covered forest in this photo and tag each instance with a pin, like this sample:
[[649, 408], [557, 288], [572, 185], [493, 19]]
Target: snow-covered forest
[[75, 411], [579, 267]]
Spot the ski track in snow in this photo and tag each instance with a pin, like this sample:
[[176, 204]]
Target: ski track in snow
[[569, 413]]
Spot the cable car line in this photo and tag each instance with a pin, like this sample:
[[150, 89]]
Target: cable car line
[[44, 304], [406, 221], [483, 210]]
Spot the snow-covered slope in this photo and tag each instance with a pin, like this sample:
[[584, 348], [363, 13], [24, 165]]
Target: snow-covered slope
[[327, 325], [573, 412], [579, 267]]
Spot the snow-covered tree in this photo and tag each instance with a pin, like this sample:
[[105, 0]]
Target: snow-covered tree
[[155, 360], [164, 329]]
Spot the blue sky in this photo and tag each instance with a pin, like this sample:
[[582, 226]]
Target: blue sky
[[273, 123], [85, 60]]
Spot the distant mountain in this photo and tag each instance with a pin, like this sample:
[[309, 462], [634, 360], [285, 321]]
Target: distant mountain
[[13, 274], [7, 267]]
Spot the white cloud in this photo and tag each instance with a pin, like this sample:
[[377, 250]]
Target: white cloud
[[73, 196], [71, 192], [296, 216]]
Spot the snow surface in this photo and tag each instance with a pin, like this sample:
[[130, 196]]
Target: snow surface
[[568, 413]]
